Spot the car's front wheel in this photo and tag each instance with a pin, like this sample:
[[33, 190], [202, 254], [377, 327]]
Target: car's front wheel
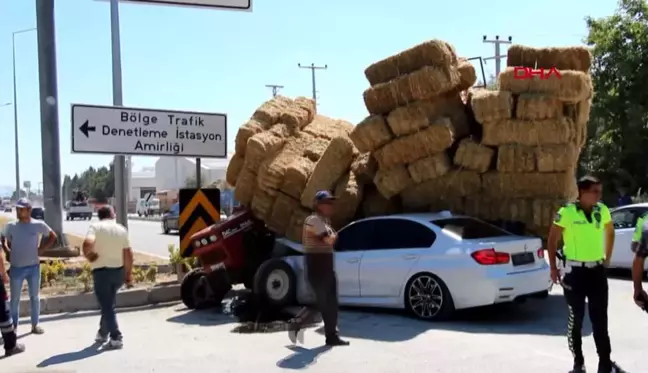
[[165, 228], [428, 298]]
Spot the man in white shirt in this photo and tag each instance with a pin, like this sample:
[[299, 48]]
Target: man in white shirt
[[107, 248]]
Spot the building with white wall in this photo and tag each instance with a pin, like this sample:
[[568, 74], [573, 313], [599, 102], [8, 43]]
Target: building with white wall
[[173, 172], [142, 183]]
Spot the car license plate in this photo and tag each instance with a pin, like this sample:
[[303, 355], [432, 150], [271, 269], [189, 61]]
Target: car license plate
[[522, 259]]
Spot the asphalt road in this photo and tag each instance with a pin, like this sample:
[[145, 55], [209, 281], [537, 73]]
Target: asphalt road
[[529, 338]]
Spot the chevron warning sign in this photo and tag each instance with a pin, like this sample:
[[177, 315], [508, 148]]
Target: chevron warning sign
[[199, 208]]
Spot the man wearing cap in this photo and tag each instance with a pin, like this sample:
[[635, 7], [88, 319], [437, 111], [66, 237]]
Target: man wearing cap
[[27, 238], [318, 239]]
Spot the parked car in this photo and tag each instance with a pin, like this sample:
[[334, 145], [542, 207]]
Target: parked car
[[38, 213], [171, 219], [625, 219]]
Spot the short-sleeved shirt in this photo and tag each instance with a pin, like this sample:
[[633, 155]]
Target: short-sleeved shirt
[[316, 228], [583, 236], [24, 238], [111, 238], [636, 237], [642, 249]]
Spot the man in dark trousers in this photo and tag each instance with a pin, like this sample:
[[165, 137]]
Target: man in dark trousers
[[318, 239], [6, 323], [588, 236]]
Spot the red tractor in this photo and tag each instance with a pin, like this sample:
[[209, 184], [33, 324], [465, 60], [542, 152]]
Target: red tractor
[[230, 252]]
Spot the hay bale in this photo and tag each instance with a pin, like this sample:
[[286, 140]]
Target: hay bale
[[245, 186], [429, 53], [556, 158], [296, 177], [429, 168], [375, 204], [295, 227], [579, 113], [490, 105], [335, 162], [529, 184], [566, 58], [272, 171], [390, 182], [234, 169], [423, 84], [532, 133], [414, 117], [467, 73], [247, 130], [261, 204], [328, 128], [371, 134], [473, 156], [315, 149], [307, 104], [349, 196], [260, 147], [544, 211], [452, 184], [364, 167], [516, 158], [532, 106], [572, 86], [433, 140], [271, 110], [502, 208], [282, 209], [456, 205], [295, 117]]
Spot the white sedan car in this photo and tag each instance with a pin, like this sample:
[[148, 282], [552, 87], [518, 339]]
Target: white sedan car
[[625, 220], [428, 264]]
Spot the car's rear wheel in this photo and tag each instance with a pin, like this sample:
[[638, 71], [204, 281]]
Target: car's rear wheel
[[275, 283], [428, 298], [165, 228]]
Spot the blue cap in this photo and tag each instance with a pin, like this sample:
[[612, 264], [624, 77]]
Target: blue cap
[[23, 203], [323, 195]]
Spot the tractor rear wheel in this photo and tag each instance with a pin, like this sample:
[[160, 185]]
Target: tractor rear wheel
[[275, 283]]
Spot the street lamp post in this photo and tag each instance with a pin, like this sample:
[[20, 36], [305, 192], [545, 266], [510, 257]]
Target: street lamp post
[[15, 107]]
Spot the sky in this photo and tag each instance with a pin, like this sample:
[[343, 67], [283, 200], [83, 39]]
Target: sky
[[210, 60]]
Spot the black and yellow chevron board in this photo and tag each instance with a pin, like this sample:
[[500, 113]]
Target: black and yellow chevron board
[[199, 208]]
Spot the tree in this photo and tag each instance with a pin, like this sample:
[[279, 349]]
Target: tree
[[617, 130], [191, 182], [98, 183]]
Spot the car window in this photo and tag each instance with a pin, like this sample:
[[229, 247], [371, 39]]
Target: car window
[[401, 234], [625, 218], [469, 228], [355, 236]]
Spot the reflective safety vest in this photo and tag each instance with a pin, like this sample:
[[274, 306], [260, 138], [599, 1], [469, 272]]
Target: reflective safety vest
[[583, 237]]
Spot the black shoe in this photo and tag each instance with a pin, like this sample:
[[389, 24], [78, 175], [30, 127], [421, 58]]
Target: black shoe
[[336, 341], [610, 367], [295, 334], [578, 368], [18, 348]]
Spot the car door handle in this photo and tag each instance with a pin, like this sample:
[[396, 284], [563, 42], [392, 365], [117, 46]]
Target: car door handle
[[353, 260], [410, 257]]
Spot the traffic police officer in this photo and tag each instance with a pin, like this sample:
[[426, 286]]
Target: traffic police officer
[[636, 237], [588, 236]]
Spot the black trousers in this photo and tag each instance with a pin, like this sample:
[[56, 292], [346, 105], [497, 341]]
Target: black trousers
[[320, 274], [6, 324], [591, 284]]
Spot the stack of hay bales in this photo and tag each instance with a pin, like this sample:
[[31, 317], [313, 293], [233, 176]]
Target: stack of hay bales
[[284, 154], [416, 115]]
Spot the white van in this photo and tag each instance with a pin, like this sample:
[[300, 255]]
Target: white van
[[147, 207]]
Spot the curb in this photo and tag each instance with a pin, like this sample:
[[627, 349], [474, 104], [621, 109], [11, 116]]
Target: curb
[[87, 301]]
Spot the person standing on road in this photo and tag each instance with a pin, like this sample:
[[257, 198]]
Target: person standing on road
[[640, 248], [588, 236], [318, 239], [7, 330], [638, 232], [23, 236], [107, 248]]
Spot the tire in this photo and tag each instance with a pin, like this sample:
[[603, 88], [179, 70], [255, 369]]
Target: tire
[[200, 290], [436, 294], [187, 285], [275, 283], [165, 228]]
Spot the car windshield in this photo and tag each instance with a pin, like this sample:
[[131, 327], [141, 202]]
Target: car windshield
[[469, 228]]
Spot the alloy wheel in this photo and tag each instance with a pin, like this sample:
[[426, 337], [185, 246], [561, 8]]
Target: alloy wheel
[[425, 296]]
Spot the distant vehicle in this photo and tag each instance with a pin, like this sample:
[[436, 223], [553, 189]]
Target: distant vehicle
[[171, 219], [625, 219], [79, 207], [6, 205], [38, 213], [149, 205]]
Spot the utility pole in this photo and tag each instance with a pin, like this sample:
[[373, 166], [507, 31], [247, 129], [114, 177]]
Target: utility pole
[[275, 89], [48, 87], [498, 56], [312, 67]]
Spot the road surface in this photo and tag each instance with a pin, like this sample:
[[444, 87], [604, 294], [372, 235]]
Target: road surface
[[530, 338]]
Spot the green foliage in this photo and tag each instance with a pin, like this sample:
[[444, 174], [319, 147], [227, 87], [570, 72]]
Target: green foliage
[[150, 275], [99, 183], [85, 277], [51, 272]]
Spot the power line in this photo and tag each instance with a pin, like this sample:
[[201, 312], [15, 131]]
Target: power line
[[275, 89], [498, 56], [312, 67]]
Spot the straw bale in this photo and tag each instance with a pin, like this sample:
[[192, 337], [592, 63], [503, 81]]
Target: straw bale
[[374, 204], [371, 134], [411, 118], [273, 169], [390, 182], [296, 225], [516, 158], [572, 86], [260, 147], [456, 205], [569, 58], [261, 205], [307, 104], [247, 130], [490, 105], [349, 196], [282, 209], [579, 112], [529, 184], [271, 110], [429, 53], [544, 211], [501, 208], [315, 149], [432, 140], [283, 130], [423, 84], [245, 186], [294, 117], [473, 156], [556, 158], [532, 106], [452, 184], [533, 133], [429, 168], [333, 164], [234, 169], [296, 176], [328, 128], [364, 167], [467, 73]]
